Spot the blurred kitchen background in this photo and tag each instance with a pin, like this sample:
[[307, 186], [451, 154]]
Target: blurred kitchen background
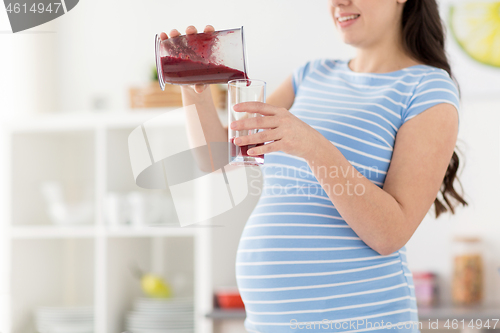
[[83, 249]]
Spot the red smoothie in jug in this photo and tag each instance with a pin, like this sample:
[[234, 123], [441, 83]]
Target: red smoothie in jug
[[193, 60], [186, 71]]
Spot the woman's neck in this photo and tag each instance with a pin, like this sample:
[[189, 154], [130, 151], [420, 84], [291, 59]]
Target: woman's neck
[[383, 57]]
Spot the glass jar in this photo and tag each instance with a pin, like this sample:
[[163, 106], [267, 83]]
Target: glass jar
[[467, 284], [425, 288]]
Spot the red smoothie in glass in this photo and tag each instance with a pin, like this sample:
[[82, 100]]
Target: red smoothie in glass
[[243, 150]]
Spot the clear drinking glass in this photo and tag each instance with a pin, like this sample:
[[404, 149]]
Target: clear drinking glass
[[240, 91], [203, 58]]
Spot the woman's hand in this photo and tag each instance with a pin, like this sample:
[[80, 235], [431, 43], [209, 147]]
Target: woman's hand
[[290, 134], [199, 88]]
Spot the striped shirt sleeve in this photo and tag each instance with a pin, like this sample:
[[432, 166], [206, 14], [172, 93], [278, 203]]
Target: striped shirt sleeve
[[435, 87], [299, 74]]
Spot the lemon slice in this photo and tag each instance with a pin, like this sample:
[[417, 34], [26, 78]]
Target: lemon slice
[[476, 28]]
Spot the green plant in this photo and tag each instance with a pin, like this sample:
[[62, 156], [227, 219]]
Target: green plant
[[154, 73]]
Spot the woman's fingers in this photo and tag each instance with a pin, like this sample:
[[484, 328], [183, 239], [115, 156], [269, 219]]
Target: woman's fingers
[[259, 137], [266, 148], [209, 28], [255, 122], [174, 33], [258, 107], [199, 88], [191, 30]]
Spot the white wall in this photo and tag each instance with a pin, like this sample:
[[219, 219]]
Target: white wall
[[431, 246], [27, 69]]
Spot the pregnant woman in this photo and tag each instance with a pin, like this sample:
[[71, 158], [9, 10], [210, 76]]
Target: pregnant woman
[[359, 151]]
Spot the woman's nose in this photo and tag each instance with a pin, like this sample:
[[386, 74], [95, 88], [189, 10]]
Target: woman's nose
[[337, 3]]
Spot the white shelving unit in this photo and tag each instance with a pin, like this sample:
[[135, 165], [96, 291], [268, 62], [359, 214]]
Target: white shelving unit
[[42, 264]]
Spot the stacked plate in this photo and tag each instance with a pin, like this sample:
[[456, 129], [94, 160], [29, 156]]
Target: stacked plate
[[172, 315], [64, 319]]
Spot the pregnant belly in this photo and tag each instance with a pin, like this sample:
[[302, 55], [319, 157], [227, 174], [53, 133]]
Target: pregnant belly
[[288, 262], [299, 261], [279, 244]]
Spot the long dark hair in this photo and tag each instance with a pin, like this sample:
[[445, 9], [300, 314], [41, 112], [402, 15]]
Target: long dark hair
[[424, 40]]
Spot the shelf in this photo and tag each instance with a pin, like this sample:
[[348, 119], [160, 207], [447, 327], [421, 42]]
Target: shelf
[[85, 158], [49, 273], [51, 231], [80, 121], [443, 312], [483, 312], [49, 168], [150, 231], [227, 314], [171, 258], [90, 120]]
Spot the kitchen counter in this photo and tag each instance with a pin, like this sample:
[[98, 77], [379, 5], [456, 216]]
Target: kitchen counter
[[441, 312]]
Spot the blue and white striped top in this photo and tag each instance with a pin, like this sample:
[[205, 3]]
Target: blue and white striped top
[[299, 266]]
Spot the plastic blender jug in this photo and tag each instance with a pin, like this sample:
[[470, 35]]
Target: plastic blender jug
[[202, 58]]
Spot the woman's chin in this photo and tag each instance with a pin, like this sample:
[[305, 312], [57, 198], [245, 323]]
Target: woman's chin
[[350, 40]]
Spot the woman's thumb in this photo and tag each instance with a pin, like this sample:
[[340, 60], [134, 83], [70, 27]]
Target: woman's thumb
[[199, 88]]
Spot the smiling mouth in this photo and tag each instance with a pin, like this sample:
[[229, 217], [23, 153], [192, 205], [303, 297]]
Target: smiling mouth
[[347, 18]]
